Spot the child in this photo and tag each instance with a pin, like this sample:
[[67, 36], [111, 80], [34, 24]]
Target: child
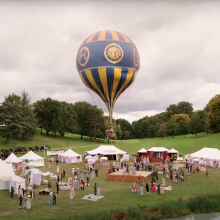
[[207, 172]]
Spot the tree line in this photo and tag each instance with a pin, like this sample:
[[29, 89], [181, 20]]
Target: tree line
[[20, 118]]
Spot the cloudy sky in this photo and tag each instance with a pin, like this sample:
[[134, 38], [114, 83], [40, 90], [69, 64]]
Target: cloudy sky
[[178, 43]]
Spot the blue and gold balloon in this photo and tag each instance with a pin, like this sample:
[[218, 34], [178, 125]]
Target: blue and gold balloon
[[108, 62]]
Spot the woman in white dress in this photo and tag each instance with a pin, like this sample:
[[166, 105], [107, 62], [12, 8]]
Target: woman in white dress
[[58, 169], [28, 202], [93, 174]]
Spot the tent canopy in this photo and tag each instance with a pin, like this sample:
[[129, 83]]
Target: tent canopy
[[6, 171], [106, 150], [143, 150], [172, 151], [207, 153], [69, 153], [13, 159], [158, 149], [31, 156]]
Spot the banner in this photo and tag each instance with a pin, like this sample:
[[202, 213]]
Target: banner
[[55, 152]]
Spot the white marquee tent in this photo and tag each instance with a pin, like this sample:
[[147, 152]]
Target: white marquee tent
[[17, 181], [110, 151], [6, 172], [143, 150], [209, 155], [70, 156], [31, 156], [12, 159]]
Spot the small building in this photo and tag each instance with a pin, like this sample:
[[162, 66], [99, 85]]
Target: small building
[[157, 154], [142, 152], [173, 154], [70, 157]]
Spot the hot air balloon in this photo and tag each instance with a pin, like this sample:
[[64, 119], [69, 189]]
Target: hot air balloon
[[108, 62]]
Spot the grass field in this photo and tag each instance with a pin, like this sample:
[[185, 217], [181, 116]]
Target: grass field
[[117, 195]]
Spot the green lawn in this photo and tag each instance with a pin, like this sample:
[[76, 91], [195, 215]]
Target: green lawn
[[117, 195]]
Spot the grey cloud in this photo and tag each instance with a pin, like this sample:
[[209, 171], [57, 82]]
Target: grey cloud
[[178, 43]]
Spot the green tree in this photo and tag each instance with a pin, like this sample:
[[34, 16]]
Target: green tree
[[82, 110], [171, 110], [183, 121], [96, 122], [126, 135], [17, 116], [185, 108], [118, 132], [144, 125], [151, 131], [197, 123], [125, 127], [162, 130], [171, 127], [213, 116]]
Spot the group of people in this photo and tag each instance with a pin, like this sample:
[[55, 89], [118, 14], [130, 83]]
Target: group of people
[[24, 198], [134, 188]]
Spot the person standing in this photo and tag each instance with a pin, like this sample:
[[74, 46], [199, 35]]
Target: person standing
[[51, 198], [87, 180], [147, 188], [93, 174], [158, 189], [71, 193], [133, 187], [12, 192], [64, 173], [58, 169], [28, 202], [58, 187], [141, 190], [154, 187], [54, 199], [20, 196], [207, 172], [161, 188], [58, 179], [25, 201], [171, 175], [57, 161], [98, 192], [97, 173], [95, 189]]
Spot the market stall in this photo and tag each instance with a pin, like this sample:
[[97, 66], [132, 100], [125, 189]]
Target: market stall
[[70, 157], [157, 154], [15, 161]]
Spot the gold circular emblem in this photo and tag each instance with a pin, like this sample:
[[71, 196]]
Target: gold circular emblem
[[113, 53], [136, 58], [83, 56]]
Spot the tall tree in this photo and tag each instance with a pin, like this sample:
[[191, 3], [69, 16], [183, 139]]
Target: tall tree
[[144, 125], [185, 108], [213, 116], [82, 110], [197, 123], [171, 110], [151, 131], [162, 130], [171, 127], [17, 116], [96, 122], [183, 121]]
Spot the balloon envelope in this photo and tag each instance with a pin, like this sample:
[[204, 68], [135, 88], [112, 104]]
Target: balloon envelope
[[108, 62]]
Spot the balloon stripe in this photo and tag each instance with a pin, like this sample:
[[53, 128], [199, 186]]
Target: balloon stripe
[[126, 39], [95, 38], [130, 82], [128, 79], [108, 35], [121, 38], [115, 35], [97, 80], [103, 77], [101, 35], [93, 83], [117, 77], [90, 38], [122, 80], [110, 79], [86, 81]]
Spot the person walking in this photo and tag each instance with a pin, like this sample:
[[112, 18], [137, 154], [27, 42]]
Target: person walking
[[51, 198], [12, 192], [64, 173], [71, 193], [54, 198], [58, 187], [207, 172], [95, 189], [20, 196], [147, 188], [141, 190], [87, 180], [25, 201], [28, 202], [158, 189]]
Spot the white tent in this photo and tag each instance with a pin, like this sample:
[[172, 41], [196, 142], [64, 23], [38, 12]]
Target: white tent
[[31, 156], [207, 154], [15, 181], [35, 177], [173, 151], [6, 172], [158, 149], [12, 159], [109, 151], [70, 157], [143, 150]]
